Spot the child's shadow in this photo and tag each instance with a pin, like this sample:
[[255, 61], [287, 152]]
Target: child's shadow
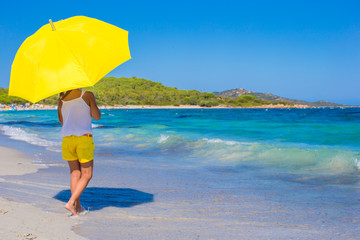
[[97, 198]]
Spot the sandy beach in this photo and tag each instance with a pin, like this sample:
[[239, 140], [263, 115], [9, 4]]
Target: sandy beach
[[25, 221], [52, 107]]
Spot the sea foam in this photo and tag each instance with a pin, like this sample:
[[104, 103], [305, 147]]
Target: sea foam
[[163, 138], [93, 125], [21, 135], [217, 140]]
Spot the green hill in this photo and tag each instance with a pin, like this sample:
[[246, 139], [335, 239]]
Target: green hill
[[270, 97], [139, 91]]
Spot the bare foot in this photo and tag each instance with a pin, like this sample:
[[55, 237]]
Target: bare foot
[[83, 211], [79, 209], [71, 208], [78, 206]]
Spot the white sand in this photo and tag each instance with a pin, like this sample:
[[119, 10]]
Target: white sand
[[24, 221], [13, 162]]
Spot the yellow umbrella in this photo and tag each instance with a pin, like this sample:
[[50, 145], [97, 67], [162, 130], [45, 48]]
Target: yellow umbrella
[[68, 54]]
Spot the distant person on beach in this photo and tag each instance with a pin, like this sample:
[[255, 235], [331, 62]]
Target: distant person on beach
[[75, 110]]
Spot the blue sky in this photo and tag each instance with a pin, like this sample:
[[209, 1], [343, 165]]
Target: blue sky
[[307, 50]]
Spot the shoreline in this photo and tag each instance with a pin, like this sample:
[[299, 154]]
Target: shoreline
[[270, 106], [24, 220]]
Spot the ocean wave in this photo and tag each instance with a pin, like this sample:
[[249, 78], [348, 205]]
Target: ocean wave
[[32, 124], [300, 160], [357, 163], [162, 138], [109, 114], [319, 161], [218, 140], [172, 144], [290, 159], [93, 125], [21, 135]]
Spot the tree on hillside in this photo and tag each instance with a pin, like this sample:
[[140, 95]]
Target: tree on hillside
[[139, 91]]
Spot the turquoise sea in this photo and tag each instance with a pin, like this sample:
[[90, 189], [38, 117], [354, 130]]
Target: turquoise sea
[[303, 160]]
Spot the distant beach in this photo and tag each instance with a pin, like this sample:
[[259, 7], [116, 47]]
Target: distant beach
[[199, 107], [27, 107], [4, 107]]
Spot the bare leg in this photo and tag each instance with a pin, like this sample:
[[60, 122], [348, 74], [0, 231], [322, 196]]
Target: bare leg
[[75, 174], [86, 170]]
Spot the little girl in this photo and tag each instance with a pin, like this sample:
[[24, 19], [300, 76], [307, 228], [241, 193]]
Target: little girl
[[75, 110]]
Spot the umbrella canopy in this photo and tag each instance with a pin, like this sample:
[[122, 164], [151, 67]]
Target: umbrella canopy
[[68, 54]]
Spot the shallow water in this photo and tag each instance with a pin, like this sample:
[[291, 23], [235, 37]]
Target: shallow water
[[299, 141], [287, 170]]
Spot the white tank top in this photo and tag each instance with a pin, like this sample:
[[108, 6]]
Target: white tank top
[[76, 117]]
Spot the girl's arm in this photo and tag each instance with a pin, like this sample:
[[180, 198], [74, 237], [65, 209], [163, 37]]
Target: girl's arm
[[94, 110], [59, 112]]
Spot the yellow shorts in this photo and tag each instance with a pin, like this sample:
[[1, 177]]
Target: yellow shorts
[[79, 148]]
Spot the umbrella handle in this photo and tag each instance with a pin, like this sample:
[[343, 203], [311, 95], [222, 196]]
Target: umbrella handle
[[52, 25]]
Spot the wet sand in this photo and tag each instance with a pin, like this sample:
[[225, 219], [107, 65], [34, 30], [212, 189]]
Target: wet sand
[[23, 220]]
